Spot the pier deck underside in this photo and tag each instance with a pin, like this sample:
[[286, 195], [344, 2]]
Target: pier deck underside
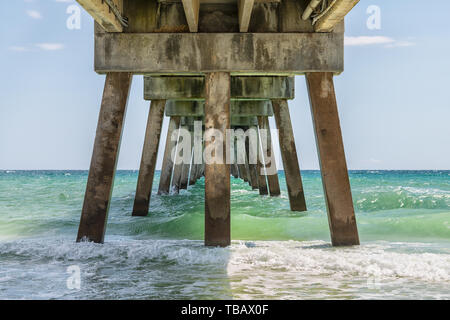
[[219, 70]]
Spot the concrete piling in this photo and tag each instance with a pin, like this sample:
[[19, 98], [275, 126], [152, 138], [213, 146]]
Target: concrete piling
[[149, 157], [178, 165], [193, 172], [289, 155], [270, 164], [167, 165], [217, 174], [253, 177], [241, 157], [104, 157], [260, 170], [333, 166]]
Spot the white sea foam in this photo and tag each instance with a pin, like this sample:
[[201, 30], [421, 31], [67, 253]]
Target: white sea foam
[[312, 257], [260, 269], [315, 258]]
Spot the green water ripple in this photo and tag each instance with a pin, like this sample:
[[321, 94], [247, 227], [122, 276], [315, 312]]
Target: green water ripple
[[398, 205]]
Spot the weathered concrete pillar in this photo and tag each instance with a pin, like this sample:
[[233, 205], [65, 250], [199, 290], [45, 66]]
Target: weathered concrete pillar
[[289, 155], [217, 175], [247, 175], [270, 165], [167, 165], [232, 172], [241, 158], [193, 172], [197, 172], [201, 171], [186, 164], [104, 157], [235, 171], [149, 157], [253, 172], [253, 177], [260, 171], [238, 165], [184, 179], [233, 167], [245, 171], [178, 165], [197, 154], [333, 166]]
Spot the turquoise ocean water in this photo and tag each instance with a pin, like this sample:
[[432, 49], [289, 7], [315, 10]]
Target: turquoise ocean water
[[403, 219]]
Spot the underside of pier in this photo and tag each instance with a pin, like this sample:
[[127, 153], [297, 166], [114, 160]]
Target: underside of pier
[[219, 69]]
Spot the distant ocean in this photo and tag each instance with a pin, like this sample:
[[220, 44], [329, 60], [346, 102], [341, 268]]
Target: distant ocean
[[403, 220]]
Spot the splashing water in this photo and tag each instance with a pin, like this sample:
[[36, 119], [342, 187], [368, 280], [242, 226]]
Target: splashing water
[[403, 219]]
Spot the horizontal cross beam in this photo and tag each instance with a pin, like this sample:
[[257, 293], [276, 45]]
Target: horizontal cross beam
[[238, 108], [237, 53], [242, 88], [236, 121]]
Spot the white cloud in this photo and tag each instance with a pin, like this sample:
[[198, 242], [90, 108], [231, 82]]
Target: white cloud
[[367, 40], [50, 46], [18, 49], [66, 1], [401, 44], [388, 42], [34, 14], [39, 46]]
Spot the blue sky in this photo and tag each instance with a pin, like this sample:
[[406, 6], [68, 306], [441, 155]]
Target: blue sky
[[393, 95]]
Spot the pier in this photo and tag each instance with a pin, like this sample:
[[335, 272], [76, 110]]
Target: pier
[[219, 69]]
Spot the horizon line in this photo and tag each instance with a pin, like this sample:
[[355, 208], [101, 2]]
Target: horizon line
[[277, 170]]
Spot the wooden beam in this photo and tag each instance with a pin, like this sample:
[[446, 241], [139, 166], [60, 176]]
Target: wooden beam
[[238, 53], [102, 14], [245, 8], [334, 14], [192, 9]]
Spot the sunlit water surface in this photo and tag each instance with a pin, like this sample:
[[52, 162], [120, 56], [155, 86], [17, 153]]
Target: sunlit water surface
[[403, 220]]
